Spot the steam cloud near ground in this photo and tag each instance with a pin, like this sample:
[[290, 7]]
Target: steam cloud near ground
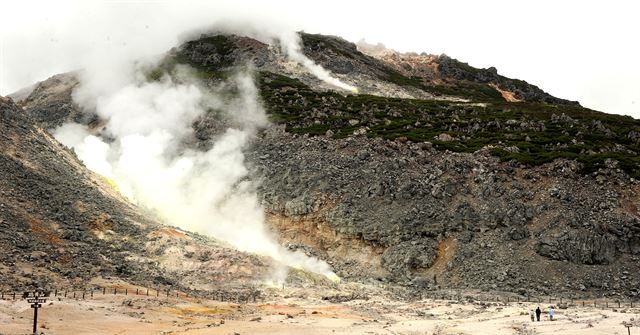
[[142, 149]]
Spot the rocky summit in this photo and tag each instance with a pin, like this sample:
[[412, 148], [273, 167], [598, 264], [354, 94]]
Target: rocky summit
[[434, 175]]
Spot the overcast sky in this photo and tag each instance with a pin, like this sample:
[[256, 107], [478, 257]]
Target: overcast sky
[[578, 50]]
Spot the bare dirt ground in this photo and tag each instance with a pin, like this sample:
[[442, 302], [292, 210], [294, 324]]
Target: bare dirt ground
[[295, 312]]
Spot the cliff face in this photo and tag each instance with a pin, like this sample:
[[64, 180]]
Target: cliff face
[[445, 176]]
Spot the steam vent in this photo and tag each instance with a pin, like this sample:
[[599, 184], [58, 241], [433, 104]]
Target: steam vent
[[263, 181]]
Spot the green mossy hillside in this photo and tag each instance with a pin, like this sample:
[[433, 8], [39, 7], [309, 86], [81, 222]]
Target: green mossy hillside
[[526, 132]]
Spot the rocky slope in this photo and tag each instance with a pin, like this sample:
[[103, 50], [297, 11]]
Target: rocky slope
[[442, 69], [403, 212], [436, 175], [62, 225]]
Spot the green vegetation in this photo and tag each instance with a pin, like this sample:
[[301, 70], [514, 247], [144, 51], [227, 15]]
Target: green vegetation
[[467, 90], [529, 133]]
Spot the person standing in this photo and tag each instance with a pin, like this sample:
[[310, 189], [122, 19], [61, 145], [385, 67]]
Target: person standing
[[551, 313], [538, 312], [532, 315]]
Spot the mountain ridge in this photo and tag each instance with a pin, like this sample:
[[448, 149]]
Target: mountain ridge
[[437, 182]]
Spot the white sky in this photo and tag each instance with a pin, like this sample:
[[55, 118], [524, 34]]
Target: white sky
[[579, 50]]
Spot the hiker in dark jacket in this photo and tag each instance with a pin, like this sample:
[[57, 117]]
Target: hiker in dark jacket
[[538, 312]]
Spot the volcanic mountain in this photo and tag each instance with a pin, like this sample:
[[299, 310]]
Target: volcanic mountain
[[435, 174]]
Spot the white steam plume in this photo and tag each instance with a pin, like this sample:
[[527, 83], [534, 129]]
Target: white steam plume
[[291, 45], [148, 124]]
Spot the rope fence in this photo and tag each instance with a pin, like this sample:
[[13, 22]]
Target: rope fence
[[603, 303], [248, 296], [158, 293]]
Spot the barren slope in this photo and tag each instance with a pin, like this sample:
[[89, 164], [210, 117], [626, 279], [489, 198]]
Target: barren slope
[[61, 224]]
